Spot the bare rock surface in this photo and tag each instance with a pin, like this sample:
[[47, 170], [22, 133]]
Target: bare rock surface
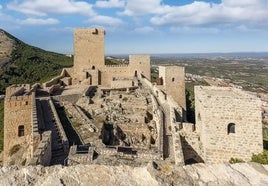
[[197, 174], [6, 47]]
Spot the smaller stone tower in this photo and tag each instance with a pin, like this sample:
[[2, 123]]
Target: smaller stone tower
[[172, 78], [18, 122], [140, 65]]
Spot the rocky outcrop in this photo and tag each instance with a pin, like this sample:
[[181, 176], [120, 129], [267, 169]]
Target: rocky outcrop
[[153, 174], [7, 45]]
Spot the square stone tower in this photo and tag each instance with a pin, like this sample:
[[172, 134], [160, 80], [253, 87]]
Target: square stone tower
[[229, 123], [173, 82], [88, 49], [17, 122], [140, 65]]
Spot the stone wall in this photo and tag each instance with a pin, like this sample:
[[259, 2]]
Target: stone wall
[[118, 83], [158, 117], [218, 108], [191, 144], [59, 126], [42, 155], [73, 98], [57, 79]]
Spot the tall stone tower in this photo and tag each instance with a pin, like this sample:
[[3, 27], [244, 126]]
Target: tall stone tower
[[88, 49], [229, 123], [173, 82], [17, 122]]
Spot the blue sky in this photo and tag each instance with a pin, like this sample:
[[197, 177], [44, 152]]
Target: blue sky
[[142, 26]]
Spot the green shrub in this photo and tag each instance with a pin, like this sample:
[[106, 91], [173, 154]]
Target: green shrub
[[23, 162], [260, 158], [236, 160]]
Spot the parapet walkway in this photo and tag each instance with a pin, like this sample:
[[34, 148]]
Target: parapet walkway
[[50, 123]]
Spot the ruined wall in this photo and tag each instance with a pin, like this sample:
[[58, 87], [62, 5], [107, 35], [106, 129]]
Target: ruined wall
[[113, 71], [17, 123], [216, 108], [42, 155], [191, 144], [88, 49], [122, 83], [173, 82]]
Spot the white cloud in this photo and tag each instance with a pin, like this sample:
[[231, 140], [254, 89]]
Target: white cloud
[[1, 7], [110, 3], [202, 13], [144, 30], [33, 21], [105, 20], [194, 30], [233, 3], [141, 7], [46, 7]]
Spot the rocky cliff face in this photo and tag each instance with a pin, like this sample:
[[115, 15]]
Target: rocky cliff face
[[7, 45], [197, 174]]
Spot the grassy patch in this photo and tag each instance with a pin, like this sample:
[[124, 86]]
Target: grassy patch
[[261, 158], [236, 160]]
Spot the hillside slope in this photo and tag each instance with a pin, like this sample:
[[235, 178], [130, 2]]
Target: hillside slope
[[22, 63]]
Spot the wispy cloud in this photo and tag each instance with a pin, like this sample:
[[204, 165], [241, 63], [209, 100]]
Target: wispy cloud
[[141, 7], [194, 30], [44, 8], [144, 30], [110, 3], [105, 20], [203, 13], [38, 22]]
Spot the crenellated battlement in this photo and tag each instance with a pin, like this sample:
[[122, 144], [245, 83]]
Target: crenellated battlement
[[114, 66], [17, 90]]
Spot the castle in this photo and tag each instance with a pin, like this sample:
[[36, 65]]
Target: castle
[[123, 115]]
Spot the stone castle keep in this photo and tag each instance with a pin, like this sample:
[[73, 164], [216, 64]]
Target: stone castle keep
[[119, 116]]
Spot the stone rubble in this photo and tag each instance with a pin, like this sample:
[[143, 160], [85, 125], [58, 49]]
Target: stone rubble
[[152, 174]]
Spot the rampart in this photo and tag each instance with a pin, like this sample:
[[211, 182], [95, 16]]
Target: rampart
[[175, 111], [59, 126], [158, 117]]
